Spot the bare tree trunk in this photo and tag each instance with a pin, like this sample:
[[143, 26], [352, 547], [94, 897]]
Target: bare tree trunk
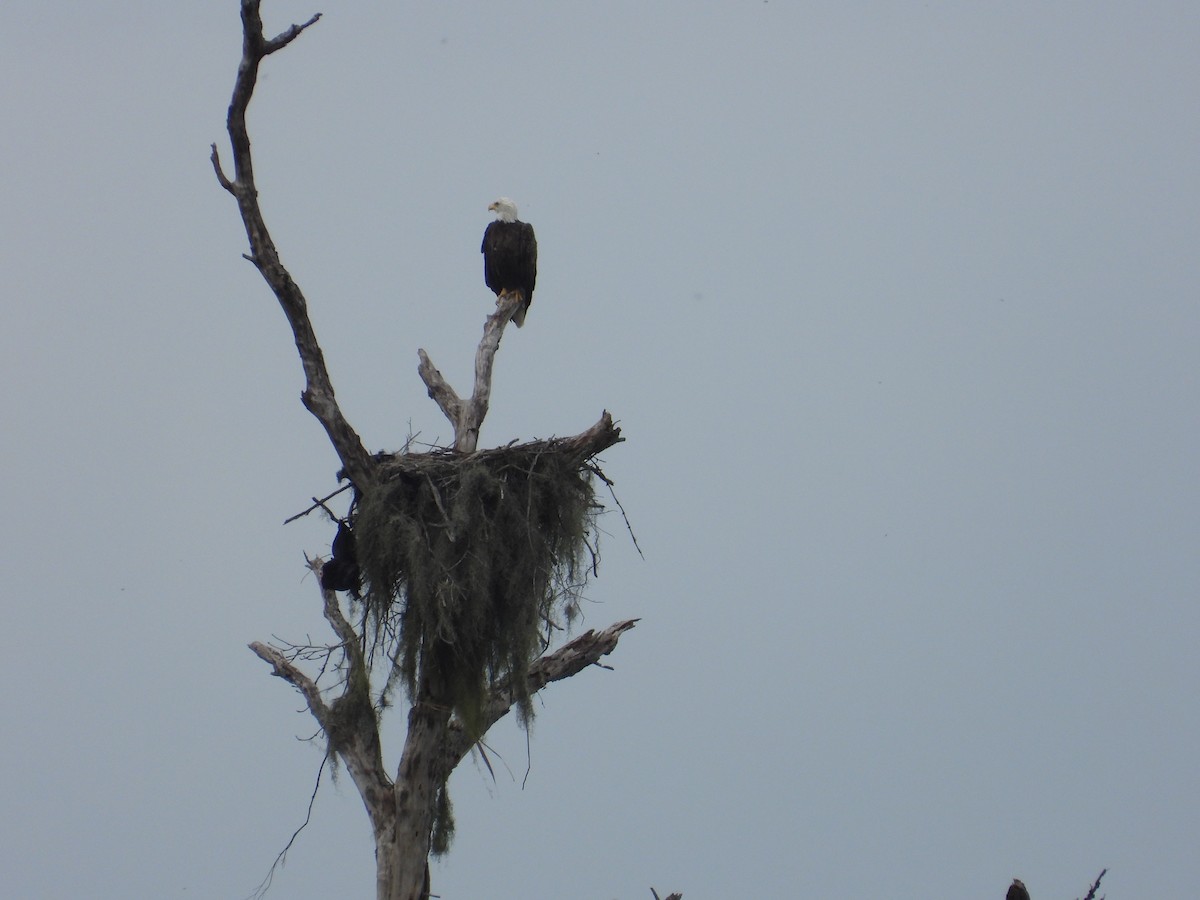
[[402, 813], [418, 781]]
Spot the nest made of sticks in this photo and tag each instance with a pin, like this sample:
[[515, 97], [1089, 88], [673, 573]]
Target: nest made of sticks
[[469, 562]]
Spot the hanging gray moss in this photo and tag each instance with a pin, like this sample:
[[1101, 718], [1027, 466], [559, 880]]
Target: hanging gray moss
[[469, 561]]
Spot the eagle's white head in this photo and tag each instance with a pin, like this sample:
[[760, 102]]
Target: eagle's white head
[[505, 210]]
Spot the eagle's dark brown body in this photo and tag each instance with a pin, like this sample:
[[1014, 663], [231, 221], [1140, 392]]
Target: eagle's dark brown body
[[510, 262]]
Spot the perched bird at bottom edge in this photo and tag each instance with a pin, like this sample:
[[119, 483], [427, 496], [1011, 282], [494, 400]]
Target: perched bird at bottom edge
[[1017, 891], [510, 256]]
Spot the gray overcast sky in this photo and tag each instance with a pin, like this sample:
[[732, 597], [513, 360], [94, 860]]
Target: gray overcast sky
[[897, 305]]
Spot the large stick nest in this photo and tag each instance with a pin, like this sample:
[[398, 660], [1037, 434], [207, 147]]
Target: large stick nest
[[468, 562]]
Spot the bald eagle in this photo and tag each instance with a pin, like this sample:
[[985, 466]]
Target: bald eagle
[[510, 256]]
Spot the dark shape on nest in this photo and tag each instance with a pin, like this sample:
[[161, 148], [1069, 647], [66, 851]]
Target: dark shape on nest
[[342, 572], [510, 256], [1017, 891]]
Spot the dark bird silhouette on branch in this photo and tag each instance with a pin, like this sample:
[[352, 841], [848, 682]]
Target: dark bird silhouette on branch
[[510, 256]]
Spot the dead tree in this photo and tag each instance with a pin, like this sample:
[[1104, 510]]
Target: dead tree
[[467, 558]]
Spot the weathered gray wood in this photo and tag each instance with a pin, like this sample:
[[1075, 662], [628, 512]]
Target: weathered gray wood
[[318, 396], [466, 416]]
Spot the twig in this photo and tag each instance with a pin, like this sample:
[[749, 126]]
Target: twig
[[599, 473], [265, 885], [281, 41], [318, 504]]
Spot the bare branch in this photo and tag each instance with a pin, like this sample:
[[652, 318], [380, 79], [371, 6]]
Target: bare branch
[[439, 389], [284, 668], [1091, 894], [221, 177], [596, 439], [318, 396], [280, 41], [467, 416], [569, 659], [318, 504], [485, 357]]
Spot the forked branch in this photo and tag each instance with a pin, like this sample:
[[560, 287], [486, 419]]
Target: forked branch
[[466, 416], [318, 396], [348, 720]]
